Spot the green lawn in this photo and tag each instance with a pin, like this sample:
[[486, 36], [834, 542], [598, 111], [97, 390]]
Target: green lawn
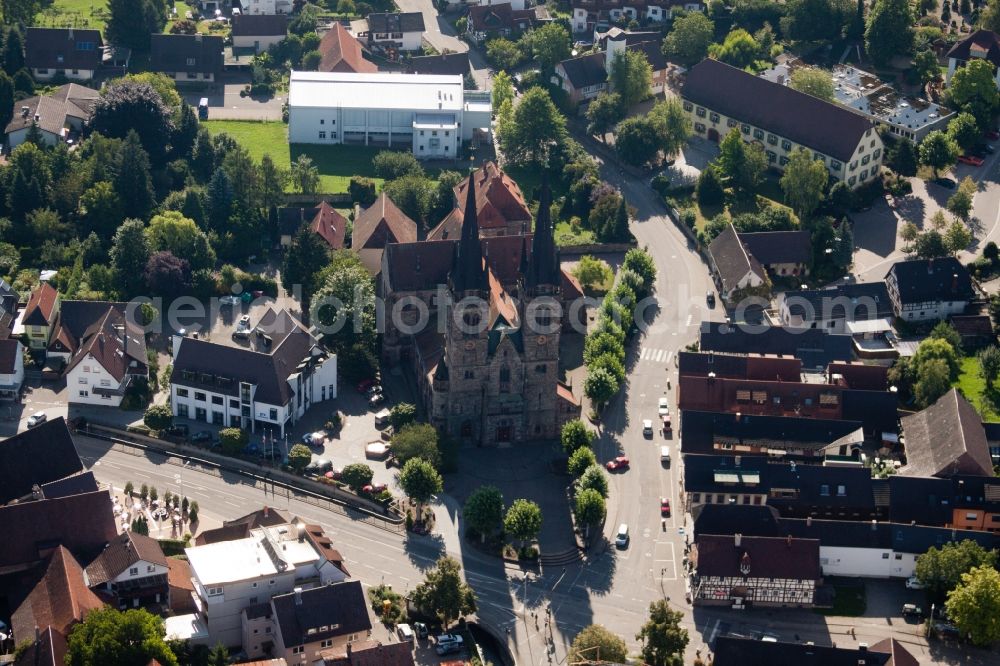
[[336, 163], [849, 602], [973, 387], [567, 234], [75, 13]]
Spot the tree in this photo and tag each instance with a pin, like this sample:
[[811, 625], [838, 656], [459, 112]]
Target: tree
[[140, 525], [945, 331], [219, 656], [933, 381], [630, 76], [604, 112], [599, 387], [937, 348], [740, 164], [109, 636], [444, 593], [635, 140], [415, 195], [815, 20], [689, 39], [362, 190], [964, 130], [536, 125], [989, 364], [904, 159], [306, 257], [420, 481], [133, 183], [940, 569], [641, 262], [392, 164], [167, 274], [357, 476], [580, 460], [13, 43], [813, 82], [131, 105], [589, 508], [504, 54], [592, 272], [417, 440], [909, 232], [575, 435], [925, 64], [220, 201], [709, 189], [129, 255], [347, 296], [483, 511], [663, 639], [990, 19], [233, 440], [171, 231], [299, 456], [938, 151], [305, 175], [930, 245], [594, 478], [24, 86], [402, 415], [673, 127], [523, 520], [549, 45], [888, 32], [804, 182], [958, 237], [131, 22], [975, 605], [973, 90], [739, 49], [596, 644], [6, 98], [101, 209], [503, 89], [158, 417]]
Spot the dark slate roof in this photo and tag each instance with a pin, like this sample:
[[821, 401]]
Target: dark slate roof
[[723, 365], [778, 247], [40, 455], [945, 439], [941, 279], [399, 22], [985, 40], [925, 501], [170, 53], [63, 48], [876, 409], [71, 485], [731, 259], [448, 63], [260, 25], [53, 111], [815, 347], [744, 519], [769, 557], [585, 70], [700, 431], [921, 538], [854, 301], [10, 351], [124, 551], [341, 607], [653, 50], [829, 128], [732, 651]]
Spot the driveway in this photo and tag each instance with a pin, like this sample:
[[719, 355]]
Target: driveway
[[440, 34], [225, 102]]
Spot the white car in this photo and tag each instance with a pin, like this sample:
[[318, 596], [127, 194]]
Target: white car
[[243, 326], [622, 538], [662, 408], [913, 584], [230, 300], [647, 427], [450, 638], [37, 418]]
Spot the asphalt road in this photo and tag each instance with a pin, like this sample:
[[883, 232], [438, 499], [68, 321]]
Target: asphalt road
[[440, 34]]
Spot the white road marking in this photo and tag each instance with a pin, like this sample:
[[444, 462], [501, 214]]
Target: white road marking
[[670, 355], [688, 322]]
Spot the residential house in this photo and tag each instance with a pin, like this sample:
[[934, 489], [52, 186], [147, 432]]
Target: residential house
[[928, 289], [31, 459], [744, 651], [445, 64], [433, 116], [781, 253], [402, 31], [340, 51], [585, 77], [376, 227], [736, 272], [720, 98], [232, 576], [370, 653], [268, 7], [267, 387], [239, 528], [329, 225], [816, 348], [516, 4], [591, 15], [187, 58], [11, 368], [835, 309], [74, 53], [111, 355], [132, 570], [40, 314], [960, 502], [582, 78], [59, 116], [981, 45], [59, 599], [498, 20], [946, 439], [8, 309], [745, 571], [501, 207], [976, 331], [306, 623], [258, 31]]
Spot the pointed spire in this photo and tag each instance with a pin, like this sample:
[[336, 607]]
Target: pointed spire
[[544, 265], [468, 273]]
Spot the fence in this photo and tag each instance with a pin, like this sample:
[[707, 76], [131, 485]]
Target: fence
[[267, 482]]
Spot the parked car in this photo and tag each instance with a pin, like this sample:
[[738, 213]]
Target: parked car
[[972, 160], [912, 583], [647, 427], [376, 450], [912, 611], [314, 438], [405, 633], [946, 630], [449, 638], [662, 407], [448, 648], [201, 437], [946, 183], [242, 327], [230, 300], [37, 418], [178, 430], [420, 629], [992, 135], [619, 463], [376, 399], [375, 488], [664, 506], [710, 299], [365, 384]]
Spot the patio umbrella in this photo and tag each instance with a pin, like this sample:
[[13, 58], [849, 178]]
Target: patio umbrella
[[329, 475]]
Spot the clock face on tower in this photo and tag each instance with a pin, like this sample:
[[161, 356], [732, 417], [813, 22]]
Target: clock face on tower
[[541, 339], [470, 345]]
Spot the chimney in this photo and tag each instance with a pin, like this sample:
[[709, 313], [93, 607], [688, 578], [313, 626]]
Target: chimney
[[809, 521], [267, 511], [737, 539], [298, 596], [874, 525], [302, 532]]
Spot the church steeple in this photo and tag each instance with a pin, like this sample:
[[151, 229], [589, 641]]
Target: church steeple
[[468, 272], [543, 269]]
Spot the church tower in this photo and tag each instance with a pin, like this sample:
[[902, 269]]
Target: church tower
[[541, 324]]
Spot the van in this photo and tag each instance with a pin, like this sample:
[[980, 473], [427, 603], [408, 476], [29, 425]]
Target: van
[[382, 418], [621, 539], [203, 108], [405, 633], [665, 455]]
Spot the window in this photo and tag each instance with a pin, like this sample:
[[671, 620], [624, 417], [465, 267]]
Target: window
[[81, 380], [899, 556], [864, 174], [872, 144], [274, 417], [105, 382], [852, 180], [971, 516], [835, 165], [730, 123], [771, 156], [688, 106], [150, 568], [695, 498], [854, 165], [885, 556], [745, 128], [469, 374], [199, 396], [783, 161], [772, 139], [786, 144], [699, 127], [253, 585], [270, 582], [841, 491], [217, 400], [758, 134], [182, 411], [182, 392], [327, 643], [322, 135], [134, 571], [84, 394], [299, 649], [866, 159], [214, 591], [234, 404], [700, 111], [877, 154], [824, 490], [714, 117]]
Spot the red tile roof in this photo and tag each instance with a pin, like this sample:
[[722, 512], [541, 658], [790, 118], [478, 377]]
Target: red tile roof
[[766, 557], [38, 312], [121, 554], [329, 225], [341, 52], [499, 200], [382, 223], [48, 650]]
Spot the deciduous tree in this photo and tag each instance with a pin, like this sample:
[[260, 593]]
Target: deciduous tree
[[964, 130], [420, 481], [888, 30], [940, 569], [483, 511], [299, 457], [130, 105], [589, 508], [109, 636], [631, 77], [444, 593], [535, 127], [975, 605], [575, 435], [663, 639], [804, 182], [357, 476], [973, 89], [417, 440], [938, 151], [305, 175], [596, 644], [689, 39], [813, 82], [523, 520], [580, 460], [604, 112]]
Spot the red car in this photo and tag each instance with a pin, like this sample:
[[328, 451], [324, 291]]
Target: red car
[[664, 506], [972, 160], [365, 384], [619, 463], [374, 488], [992, 135]]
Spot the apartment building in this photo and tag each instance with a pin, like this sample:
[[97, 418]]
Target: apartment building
[[928, 289], [590, 15], [720, 98]]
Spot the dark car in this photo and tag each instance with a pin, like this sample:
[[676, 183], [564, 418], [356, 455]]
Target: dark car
[[178, 430], [946, 183], [201, 437]]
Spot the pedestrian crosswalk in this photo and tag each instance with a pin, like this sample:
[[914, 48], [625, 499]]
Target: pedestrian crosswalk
[[655, 355]]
